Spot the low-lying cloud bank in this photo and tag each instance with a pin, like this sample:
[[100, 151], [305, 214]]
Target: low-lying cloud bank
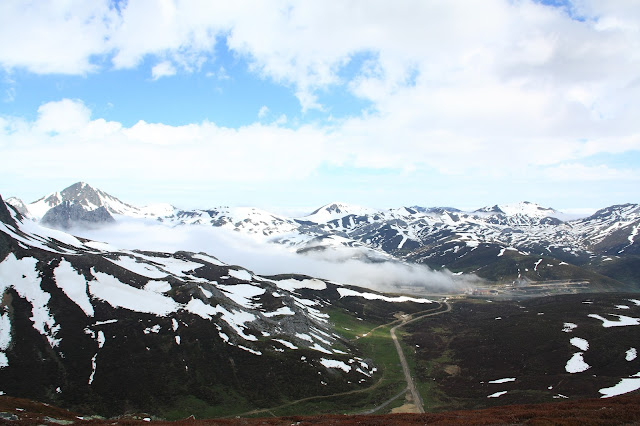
[[343, 265]]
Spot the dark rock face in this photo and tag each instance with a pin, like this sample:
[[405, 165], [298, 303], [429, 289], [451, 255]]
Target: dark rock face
[[69, 214]]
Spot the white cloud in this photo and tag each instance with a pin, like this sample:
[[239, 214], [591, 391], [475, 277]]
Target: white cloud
[[63, 134], [458, 50], [55, 36], [65, 116], [9, 94], [163, 69], [264, 110], [205, 154], [581, 173], [487, 88]]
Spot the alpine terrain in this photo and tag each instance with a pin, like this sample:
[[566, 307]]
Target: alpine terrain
[[550, 311]]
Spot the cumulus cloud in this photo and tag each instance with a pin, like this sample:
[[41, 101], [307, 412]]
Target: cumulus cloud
[[55, 37], [65, 116], [163, 69], [448, 44], [158, 154], [456, 87]]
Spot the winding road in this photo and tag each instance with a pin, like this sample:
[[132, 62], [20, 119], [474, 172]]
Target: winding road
[[417, 399], [415, 395]]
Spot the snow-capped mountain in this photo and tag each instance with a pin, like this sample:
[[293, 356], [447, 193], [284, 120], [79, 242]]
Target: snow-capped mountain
[[18, 204], [82, 322], [524, 208], [90, 199], [440, 237], [68, 214], [335, 211]]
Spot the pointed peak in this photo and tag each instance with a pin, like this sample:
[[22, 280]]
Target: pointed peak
[[81, 193], [337, 210]]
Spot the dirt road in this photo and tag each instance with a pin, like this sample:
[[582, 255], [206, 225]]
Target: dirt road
[[415, 395]]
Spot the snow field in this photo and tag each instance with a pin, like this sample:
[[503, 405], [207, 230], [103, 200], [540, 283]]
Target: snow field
[[621, 322], [22, 275], [74, 286]]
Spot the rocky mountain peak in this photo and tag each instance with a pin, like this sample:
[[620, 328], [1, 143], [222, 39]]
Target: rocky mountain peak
[[337, 210], [68, 214], [83, 194]]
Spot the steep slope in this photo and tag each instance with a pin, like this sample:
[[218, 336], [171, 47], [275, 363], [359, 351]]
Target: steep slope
[[85, 325], [18, 204], [67, 214]]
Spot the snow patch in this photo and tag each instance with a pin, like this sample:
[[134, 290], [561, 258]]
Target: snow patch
[[207, 258], [576, 364], [157, 286], [345, 292], [625, 386], [140, 268], [120, 295], [5, 338], [285, 343], [580, 343], [74, 285], [535, 268], [23, 276], [293, 284], [505, 380], [285, 310], [630, 355], [241, 275], [621, 322], [332, 363], [242, 293], [497, 394]]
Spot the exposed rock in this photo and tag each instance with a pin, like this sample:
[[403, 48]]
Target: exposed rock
[[69, 214]]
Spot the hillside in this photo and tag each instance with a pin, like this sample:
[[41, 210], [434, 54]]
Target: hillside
[[87, 326]]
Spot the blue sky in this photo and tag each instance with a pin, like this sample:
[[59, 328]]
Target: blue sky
[[289, 105]]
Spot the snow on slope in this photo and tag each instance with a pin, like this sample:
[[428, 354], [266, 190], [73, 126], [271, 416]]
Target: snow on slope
[[231, 298], [90, 199], [449, 234], [334, 211]]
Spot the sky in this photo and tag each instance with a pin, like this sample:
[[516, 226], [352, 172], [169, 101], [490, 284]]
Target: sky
[[289, 105]]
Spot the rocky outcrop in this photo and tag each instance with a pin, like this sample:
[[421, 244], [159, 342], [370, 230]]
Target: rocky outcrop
[[67, 215]]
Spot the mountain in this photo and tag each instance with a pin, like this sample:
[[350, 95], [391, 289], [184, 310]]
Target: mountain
[[68, 214], [524, 208], [87, 326], [90, 199], [501, 243], [333, 211], [96, 329], [19, 205]]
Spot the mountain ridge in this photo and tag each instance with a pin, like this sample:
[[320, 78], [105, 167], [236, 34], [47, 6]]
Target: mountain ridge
[[470, 242]]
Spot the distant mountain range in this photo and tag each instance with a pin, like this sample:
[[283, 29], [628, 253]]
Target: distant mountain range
[[500, 243]]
